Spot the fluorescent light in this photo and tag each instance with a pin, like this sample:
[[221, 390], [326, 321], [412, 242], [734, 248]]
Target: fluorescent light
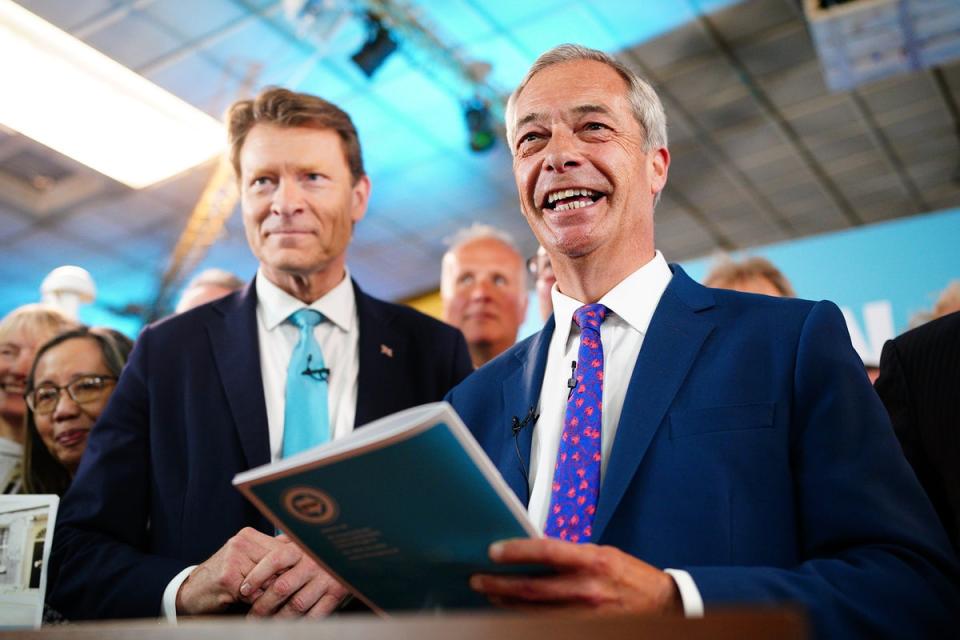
[[72, 98]]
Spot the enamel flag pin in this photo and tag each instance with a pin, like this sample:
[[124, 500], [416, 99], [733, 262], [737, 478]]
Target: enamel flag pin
[[387, 351]]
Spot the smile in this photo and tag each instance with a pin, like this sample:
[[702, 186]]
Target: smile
[[13, 385], [71, 437], [568, 199]]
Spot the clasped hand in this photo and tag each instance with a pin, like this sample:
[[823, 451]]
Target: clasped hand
[[271, 574]]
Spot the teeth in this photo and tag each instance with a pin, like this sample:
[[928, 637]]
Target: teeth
[[568, 193], [576, 204]]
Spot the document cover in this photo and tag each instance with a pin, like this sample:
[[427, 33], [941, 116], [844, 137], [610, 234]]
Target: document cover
[[402, 511]]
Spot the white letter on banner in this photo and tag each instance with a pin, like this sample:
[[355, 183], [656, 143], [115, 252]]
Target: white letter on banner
[[878, 317]]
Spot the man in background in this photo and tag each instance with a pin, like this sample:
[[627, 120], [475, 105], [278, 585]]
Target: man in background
[[483, 290], [207, 286], [542, 271], [300, 356]]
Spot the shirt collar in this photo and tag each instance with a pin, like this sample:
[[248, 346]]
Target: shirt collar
[[634, 299], [338, 305]]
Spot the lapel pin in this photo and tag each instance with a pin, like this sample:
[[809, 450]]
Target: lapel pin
[[387, 351]]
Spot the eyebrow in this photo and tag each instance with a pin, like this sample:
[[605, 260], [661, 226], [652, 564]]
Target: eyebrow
[[578, 110]]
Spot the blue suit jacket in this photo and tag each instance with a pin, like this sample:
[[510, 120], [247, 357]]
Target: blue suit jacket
[[753, 453], [153, 494]]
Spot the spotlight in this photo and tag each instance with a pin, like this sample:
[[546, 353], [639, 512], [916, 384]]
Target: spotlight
[[378, 47], [479, 125]]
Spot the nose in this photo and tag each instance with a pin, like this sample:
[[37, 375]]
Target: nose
[[561, 152], [287, 199], [65, 408], [480, 290]]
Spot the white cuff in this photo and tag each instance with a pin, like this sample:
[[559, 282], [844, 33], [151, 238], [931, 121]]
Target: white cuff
[[689, 594], [168, 607]]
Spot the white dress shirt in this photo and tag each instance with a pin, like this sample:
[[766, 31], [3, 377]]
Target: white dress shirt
[[632, 303], [338, 337]]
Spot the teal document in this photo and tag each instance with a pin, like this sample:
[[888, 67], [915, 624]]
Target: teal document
[[402, 511]]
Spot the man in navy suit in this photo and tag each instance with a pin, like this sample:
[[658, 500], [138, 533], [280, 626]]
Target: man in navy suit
[[740, 456], [151, 523]]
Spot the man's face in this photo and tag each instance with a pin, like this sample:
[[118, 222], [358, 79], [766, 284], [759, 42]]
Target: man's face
[[298, 198], [543, 270], [584, 181], [484, 292]]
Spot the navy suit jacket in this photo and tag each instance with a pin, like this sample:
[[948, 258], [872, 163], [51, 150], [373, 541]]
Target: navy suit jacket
[[752, 453], [153, 494]]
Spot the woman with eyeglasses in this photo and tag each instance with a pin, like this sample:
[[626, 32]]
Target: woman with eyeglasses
[[21, 332], [68, 387]]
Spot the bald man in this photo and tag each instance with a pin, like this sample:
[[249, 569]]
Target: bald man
[[484, 292]]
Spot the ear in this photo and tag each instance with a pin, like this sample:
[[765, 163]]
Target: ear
[[360, 198], [657, 166]]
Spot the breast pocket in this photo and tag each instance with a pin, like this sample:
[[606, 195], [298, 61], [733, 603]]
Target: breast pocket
[[743, 417]]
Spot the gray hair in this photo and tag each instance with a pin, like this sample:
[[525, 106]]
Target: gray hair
[[218, 277], [644, 101], [480, 231], [473, 233]]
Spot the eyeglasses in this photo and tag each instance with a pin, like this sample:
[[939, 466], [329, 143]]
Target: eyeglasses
[[44, 399], [538, 265]]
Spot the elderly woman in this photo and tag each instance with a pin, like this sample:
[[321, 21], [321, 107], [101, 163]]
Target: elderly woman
[[21, 332], [71, 380]]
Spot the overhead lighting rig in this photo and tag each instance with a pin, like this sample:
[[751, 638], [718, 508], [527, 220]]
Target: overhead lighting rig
[[378, 47], [447, 66]]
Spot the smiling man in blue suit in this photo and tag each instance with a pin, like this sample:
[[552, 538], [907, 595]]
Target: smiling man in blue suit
[[302, 355], [683, 447]]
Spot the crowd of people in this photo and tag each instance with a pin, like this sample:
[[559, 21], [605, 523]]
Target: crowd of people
[[690, 446]]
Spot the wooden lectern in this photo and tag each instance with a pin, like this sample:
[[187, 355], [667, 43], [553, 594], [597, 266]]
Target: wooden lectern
[[739, 624]]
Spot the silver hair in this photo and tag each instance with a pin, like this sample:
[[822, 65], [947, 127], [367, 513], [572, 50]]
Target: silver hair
[[480, 231], [644, 101], [217, 277]]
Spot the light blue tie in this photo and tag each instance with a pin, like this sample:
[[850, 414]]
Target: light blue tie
[[306, 422]]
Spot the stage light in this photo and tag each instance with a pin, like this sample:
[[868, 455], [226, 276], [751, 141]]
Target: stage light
[[479, 125], [378, 47]]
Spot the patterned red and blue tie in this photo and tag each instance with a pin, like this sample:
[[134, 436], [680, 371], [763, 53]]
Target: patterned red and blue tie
[[576, 478]]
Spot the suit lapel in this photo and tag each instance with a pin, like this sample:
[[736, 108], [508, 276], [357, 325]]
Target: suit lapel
[[674, 338], [381, 358], [235, 341], [521, 392]]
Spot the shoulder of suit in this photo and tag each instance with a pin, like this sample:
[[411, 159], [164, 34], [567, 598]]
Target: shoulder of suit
[[754, 303], [943, 331]]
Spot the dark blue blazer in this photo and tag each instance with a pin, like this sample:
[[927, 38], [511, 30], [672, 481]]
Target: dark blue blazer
[[753, 453], [153, 494]]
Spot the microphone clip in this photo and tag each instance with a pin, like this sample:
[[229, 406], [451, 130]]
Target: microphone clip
[[519, 425], [321, 375]]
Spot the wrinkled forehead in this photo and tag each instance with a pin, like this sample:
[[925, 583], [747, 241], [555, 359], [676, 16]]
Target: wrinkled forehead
[[570, 89]]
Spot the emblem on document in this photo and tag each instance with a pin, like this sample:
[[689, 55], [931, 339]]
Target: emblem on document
[[310, 505]]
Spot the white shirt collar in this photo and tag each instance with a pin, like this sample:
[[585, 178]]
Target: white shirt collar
[[338, 305], [634, 299]]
